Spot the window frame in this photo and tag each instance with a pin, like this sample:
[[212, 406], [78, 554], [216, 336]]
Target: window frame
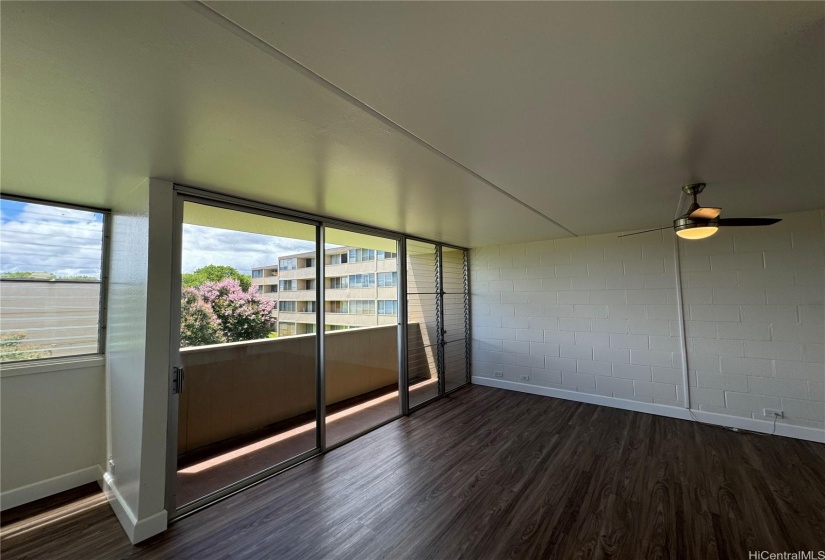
[[103, 298]]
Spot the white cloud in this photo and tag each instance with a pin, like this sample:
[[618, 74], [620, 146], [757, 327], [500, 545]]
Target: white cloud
[[244, 251], [38, 238]]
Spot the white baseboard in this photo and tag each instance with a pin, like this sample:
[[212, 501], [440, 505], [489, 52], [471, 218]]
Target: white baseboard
[[137, 530], [48, 487], [751, 424]]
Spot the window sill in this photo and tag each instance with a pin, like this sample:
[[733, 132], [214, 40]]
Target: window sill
[[51, 365]]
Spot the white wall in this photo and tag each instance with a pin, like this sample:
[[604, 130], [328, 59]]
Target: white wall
[[52, 418], [598, 315], [137, 352]]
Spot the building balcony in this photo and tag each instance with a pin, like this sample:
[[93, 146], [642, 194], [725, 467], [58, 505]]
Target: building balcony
[[250, 405]]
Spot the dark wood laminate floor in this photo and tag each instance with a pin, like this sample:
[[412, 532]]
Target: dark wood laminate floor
[[493, 474]]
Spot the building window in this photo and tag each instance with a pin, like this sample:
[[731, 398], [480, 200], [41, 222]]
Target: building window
[[286, 329], [288, 264], [338, 258], [339, 283], [387, 307], [337, 307], [387, 279], [288, 285], [306, 328], [306, 307], [272, 289], [384, 255], [51, 282], [336, 328], [286, 306], [308, 284], [361, 280], [258, 273], [309, 263], [362, 307], [361, 255]]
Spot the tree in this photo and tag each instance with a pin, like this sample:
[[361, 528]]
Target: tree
[[12, 349], [222, 311], [215, 273], [198, 324]]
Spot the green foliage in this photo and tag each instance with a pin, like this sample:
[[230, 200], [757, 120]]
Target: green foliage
[[215, 273], [28, 275], [13, 349]]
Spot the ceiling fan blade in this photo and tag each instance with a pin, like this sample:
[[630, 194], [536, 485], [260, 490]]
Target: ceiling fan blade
[[705, 213], [743, 222], [645, 231]]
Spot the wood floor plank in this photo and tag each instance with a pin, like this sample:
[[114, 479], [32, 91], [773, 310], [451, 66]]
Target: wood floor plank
[[486, 474]]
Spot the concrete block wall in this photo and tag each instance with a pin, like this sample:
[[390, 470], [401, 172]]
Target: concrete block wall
[[599, 315]]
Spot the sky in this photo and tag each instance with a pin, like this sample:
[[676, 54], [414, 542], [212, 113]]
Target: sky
[[66, 242], [243, 251], [39, 238]]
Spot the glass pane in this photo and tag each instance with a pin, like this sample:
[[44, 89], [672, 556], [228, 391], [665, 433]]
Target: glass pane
[[361, 344], [422, 324], [455, 314], [248, 352], [455, 365], [453, 263], [50, 281]]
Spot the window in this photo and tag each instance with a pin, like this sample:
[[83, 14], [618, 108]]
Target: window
[[387, 307], [384, 255], [286, 329], [50, 278], [338, 258], [360, 255], [339, 283], [362, 307], [306, 328], [258, 273], [307, 284], [306, 307], [309, 263], [272, 289], [288, 285], [361, 280], [336, 327], [259, 289], [337, 307], [286, 306], [387, 279], [288, 264]]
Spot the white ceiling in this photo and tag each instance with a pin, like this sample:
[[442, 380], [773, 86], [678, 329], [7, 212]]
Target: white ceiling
[[593, 114]]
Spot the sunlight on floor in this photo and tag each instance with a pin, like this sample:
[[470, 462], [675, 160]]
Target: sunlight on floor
[[251, 448], [53, 516]]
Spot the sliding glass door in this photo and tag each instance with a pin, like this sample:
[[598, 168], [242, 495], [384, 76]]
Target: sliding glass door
[[247, 398], [361, 323], [294, 335]]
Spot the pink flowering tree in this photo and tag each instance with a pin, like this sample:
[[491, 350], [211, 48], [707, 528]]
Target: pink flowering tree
[[217, 312]]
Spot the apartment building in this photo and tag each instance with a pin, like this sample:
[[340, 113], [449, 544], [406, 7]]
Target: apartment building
[[361, 289]]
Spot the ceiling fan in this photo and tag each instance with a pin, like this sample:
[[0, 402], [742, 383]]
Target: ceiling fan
[[700, 222]]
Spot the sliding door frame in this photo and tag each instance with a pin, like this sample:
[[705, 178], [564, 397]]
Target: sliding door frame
[[196, 195]]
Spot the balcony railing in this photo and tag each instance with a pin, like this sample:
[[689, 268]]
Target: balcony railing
[[235, 388]]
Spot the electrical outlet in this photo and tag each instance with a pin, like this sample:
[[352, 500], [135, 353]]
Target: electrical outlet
[[498, 373], [525, 378], [770, 413]]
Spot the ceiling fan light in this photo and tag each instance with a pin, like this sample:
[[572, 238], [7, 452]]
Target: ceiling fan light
[[697, 232], [692, 228]]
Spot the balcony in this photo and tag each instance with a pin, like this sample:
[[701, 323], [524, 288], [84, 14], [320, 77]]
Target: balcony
[[250, 405]]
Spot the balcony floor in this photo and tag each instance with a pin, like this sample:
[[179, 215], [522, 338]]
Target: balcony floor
[[214, 467]]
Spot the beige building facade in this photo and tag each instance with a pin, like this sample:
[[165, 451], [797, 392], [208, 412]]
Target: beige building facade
[[361, 289]]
